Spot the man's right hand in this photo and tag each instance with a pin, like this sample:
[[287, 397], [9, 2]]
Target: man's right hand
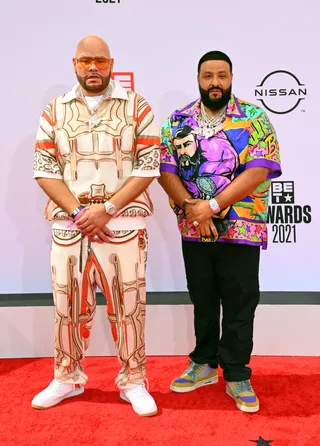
[[93, 222], [102, 236], [207, 229]]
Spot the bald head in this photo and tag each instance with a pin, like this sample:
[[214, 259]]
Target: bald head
[[93, 65], [92, 46]]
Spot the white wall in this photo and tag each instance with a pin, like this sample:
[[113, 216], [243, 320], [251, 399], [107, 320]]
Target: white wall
[[161, 42], [279, 331]]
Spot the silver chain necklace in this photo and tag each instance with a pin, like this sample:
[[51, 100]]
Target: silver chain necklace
[[211, 126], [94, 118]]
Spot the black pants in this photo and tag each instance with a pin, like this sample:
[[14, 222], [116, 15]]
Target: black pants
[[226, 273]]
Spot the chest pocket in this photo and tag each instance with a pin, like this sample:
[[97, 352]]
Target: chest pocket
[[239, 138]]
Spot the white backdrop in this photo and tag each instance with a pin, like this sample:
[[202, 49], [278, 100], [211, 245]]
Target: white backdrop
[[161, 43]]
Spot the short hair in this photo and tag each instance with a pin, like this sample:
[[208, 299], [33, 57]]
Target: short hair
[[214, 55]]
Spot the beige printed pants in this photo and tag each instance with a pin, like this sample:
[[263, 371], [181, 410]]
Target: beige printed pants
[[118, 269]]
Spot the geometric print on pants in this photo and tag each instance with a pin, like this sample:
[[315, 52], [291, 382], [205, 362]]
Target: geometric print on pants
[[118, 270]]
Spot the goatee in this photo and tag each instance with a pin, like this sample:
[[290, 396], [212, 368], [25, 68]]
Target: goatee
[[94, 88]]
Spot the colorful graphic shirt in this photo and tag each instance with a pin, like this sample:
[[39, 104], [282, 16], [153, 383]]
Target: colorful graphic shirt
[[95, 165], [206, 166]]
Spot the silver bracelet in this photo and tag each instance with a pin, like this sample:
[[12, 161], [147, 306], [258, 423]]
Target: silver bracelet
[[76, 211]]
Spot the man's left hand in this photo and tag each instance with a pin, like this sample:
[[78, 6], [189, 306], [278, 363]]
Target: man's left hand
[[93, 219], [199, 211]]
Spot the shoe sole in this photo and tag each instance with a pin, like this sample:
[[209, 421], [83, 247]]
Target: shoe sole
[[206, 382], [70, 395], [240, 407], [151, 414]]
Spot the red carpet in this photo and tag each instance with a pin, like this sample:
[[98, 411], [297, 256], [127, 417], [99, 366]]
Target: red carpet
[[288, 389]]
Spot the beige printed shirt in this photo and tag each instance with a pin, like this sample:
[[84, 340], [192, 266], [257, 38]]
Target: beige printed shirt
[[95, 164]]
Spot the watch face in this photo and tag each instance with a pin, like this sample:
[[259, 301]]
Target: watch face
[[110, 209], [213, 204]]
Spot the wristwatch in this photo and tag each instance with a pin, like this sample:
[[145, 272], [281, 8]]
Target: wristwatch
[[214, 205], [110, 208]]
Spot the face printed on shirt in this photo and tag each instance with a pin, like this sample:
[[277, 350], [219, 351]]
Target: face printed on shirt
[[186, 147]]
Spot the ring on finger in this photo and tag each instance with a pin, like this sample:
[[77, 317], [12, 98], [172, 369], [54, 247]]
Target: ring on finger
[[195, 223]]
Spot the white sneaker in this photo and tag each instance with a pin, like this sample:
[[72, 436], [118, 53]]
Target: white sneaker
[[142, 402], [54, 394]]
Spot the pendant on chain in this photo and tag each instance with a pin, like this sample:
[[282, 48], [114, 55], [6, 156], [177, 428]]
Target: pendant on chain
[[93, 121], [208, 131]]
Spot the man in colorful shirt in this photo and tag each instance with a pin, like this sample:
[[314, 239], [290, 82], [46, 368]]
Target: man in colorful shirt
[[97, 151], [218, 155]]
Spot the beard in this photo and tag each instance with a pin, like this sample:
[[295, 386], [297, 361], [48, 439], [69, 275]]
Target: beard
[[94, 88], [215, 104], [187, 166]]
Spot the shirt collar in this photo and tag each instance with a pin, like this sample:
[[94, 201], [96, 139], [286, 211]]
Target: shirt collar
[[233, 108], [117, 93]]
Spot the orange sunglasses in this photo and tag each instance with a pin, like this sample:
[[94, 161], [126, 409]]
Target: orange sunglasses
[[102, 63]]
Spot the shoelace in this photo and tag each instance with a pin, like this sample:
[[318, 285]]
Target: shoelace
[[193, 368], [139, 390], [243, 386], [55, 385]]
